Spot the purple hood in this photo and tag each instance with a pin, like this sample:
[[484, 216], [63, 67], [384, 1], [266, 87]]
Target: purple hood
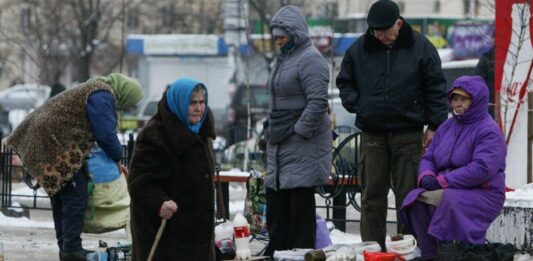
[[478, 89]]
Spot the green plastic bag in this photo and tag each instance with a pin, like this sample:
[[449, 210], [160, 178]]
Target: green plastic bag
[[255, 203], [108, 207]]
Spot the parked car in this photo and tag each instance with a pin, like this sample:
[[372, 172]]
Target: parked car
[[5, 125], [18, 101], [339, 115], [147, 110], [24, 96], [237, 116], [233, 156]]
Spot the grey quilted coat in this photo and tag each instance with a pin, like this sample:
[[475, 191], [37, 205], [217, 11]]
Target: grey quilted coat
[[299, 82]]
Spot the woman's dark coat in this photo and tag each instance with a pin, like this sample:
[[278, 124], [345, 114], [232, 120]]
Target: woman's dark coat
[[170, 162]]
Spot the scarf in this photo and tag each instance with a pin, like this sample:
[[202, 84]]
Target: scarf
[[127, 90], [178, 99]]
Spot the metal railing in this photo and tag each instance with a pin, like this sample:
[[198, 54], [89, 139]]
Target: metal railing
[[338, 196], [346, 182], [9, 170]]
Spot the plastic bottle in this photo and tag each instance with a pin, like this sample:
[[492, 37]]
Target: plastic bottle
[[102, 250], [241, 232], [93, 256]]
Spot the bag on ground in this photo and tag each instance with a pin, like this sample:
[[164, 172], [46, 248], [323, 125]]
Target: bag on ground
[[255, 203], [322, 238]]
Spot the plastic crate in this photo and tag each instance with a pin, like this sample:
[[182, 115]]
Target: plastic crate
[[119, 253]]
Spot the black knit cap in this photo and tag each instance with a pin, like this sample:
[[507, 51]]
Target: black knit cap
[[382, 15]]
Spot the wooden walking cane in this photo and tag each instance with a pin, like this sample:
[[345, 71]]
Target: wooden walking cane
[[157, 238]]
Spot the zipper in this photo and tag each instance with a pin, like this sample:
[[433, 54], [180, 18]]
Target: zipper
[[278, 65], [387, 85], [274, 107]]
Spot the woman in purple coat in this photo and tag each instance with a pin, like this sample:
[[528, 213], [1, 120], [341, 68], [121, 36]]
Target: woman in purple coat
[[461, 176]]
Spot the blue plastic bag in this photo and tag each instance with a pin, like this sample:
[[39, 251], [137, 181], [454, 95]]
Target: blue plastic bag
[[322, 238], [101, 167]]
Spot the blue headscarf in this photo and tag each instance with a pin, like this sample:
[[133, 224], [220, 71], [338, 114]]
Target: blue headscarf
[[179, 98]]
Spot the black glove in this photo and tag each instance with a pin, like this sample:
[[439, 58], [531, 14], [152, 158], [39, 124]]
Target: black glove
[[430, 183]]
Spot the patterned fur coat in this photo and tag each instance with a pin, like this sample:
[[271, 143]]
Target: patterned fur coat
[[54, 140]]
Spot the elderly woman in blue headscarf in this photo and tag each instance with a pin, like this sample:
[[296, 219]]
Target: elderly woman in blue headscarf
[[171, 177]]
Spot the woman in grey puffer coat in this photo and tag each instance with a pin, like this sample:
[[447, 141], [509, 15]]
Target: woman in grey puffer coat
[[299, 137]]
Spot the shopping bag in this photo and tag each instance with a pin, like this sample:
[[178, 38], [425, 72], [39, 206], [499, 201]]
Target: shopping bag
[[108, 207], [255, 203], [322, 238], [108, 200], [101, 167]]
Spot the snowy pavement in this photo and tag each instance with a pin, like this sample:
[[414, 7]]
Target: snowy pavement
[[34, 238]]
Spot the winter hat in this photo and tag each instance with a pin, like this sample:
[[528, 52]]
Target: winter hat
[[382, 15], [460, 91], [278, 31]]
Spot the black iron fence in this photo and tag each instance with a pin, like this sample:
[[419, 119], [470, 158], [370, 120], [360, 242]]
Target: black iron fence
[[340, 195], [345, 183], [11, 171]]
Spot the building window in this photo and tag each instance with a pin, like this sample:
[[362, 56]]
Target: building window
[[331, 9], [168, 16], [133, 18], [401, 5], [25, 19], [436, 7], [470, 7]]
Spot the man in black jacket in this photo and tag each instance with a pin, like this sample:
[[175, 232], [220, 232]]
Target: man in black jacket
[[391, 77]]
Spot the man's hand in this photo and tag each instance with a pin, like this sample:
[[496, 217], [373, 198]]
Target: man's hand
[[428, 138], [168, 208]]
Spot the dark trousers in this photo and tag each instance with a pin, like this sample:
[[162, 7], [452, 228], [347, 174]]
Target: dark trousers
[[389, 161], [291, 219], [68, 208]]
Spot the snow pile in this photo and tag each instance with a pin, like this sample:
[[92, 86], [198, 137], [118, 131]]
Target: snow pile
[[23, 222], [522, 197], [24, 190]]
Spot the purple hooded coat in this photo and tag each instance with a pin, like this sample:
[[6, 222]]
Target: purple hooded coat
[[467, 156]]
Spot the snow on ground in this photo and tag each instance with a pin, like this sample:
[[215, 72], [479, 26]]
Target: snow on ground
[[24, 222], [522, 197]]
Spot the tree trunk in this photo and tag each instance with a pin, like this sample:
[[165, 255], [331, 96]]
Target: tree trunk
[[85, 68]]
